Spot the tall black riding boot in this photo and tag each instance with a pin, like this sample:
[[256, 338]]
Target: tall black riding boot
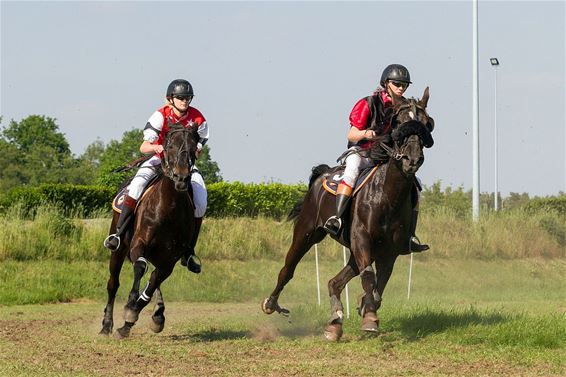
[[112, 242], [334, 223], [415, 245], [190, 259]]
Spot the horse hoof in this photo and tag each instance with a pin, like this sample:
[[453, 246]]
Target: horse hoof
[[105, 331], [264, 307], [370, 322], [122, 333], [333, 332], [157, 325]]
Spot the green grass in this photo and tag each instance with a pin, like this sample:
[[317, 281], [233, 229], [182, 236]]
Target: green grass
[[518, 284], [506, 235], [487, 299], [464, 317]]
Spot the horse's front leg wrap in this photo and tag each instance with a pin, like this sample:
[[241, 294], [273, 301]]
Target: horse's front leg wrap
[[336, 310], [377, 298], [369, 302]]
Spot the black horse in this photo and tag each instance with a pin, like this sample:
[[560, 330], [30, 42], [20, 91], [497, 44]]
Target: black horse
[[380, 218], [162, 230]]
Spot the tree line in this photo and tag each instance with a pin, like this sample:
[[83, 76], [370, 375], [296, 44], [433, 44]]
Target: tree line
[[35, 152]]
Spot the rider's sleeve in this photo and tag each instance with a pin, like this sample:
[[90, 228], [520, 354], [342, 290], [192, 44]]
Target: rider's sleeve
[[360, 114], [153, 127], [203, 134]]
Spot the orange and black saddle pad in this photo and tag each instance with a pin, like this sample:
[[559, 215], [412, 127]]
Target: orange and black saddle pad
[[118, 201], [331, 182]]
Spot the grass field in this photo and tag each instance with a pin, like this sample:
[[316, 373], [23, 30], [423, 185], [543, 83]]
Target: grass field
[[489, 299], [464, 318]]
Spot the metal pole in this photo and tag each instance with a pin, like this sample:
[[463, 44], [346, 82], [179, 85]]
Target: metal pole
[[347, 292], [496, 200], [475, 116], [410, 277], [317, 272]]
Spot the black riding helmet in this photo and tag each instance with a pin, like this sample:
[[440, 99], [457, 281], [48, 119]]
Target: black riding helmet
[[395, 72], [179, 87]]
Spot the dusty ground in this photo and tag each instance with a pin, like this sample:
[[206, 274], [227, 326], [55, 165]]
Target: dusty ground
[[221, 339]]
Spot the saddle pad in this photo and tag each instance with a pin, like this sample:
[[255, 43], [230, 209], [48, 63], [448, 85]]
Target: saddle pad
[[330, 183], [118, 201]]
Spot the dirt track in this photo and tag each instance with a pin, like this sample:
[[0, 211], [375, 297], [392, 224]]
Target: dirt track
[[213, 339]]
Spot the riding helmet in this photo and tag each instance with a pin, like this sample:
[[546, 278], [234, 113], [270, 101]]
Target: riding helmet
[[395, 72], [179, 87]]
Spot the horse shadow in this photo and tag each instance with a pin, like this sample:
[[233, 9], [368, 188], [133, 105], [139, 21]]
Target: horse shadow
[[212, 335], [420, 325]]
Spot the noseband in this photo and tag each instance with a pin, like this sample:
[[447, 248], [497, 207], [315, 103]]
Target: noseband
[[182, 149], [398, 151]]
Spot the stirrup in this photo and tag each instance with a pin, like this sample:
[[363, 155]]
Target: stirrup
[[419, 247], [333, 225], [194, 264], [109, 239]]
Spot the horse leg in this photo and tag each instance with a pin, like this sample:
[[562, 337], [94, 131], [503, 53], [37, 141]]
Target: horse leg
[[158, 318], [333, 330], [302, 242], [130, 315], [384, 270], [132, 311], [116, 262]]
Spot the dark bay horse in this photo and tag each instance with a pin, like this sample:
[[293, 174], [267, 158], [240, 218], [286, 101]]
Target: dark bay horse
[[162, 230], [380, 219]]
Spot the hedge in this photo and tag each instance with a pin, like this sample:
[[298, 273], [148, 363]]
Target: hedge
[[555, 204], [224, 199]]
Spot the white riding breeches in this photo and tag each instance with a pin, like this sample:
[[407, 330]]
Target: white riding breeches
[[147, 171], [354, 164]]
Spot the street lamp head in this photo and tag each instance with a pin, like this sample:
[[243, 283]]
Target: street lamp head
[[494, 61]]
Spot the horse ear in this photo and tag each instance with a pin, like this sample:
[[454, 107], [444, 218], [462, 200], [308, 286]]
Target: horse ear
[[424, 100]]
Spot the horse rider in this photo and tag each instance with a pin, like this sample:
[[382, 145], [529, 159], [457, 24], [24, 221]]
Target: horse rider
[[176, 111], [367, 123]]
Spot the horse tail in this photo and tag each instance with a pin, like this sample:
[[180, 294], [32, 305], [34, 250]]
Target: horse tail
[[294, 214], [317, 171]]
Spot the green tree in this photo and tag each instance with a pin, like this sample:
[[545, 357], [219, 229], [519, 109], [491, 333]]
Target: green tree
[[207, 167], [37, 130], [35, 152], [117, 154], [11, 173]]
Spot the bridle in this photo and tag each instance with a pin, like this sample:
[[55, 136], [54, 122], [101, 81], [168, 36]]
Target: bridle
[[397, 152], [184, 148]]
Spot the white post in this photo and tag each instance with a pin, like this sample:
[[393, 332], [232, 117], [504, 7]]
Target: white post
[[410, 277], [317, 272], [475, 115], [496, 200], [347, 293]]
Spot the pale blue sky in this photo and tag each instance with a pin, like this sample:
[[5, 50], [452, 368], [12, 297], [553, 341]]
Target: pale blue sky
[[277, 80]]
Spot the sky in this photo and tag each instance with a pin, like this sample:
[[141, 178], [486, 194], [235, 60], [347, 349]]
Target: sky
[[277, 80]]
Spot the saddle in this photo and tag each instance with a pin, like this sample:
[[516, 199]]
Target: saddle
[[118, 202], [331, 182]]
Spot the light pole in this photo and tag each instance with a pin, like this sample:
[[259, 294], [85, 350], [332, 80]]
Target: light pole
[[495, 63], [475, 115]]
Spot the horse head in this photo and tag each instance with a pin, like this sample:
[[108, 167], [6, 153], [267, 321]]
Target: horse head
[[179, 154], [412, 128]]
